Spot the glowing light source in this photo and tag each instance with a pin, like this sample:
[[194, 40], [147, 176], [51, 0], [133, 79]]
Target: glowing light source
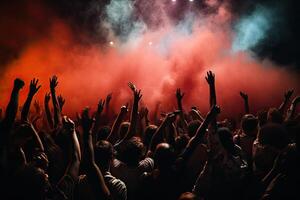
[[191, 0], [150, 43], [173, 0], [111, 43]]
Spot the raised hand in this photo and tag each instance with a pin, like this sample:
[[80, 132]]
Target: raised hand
[[244, 95], [214, 111], [61, 101], [288, 94], [108, 98], [210, 78], [179, 94], [53, 82], [170, 118], [18, 84], [132, 86], [124, 110], [68, 124], [33, 88], [101, 104], [87, 121]]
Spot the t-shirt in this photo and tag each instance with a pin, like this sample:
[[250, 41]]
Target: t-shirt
[[131, 175]]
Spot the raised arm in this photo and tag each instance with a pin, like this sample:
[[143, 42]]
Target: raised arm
[[74, 150], [194, 141], [292, 109], [47, 110], [56, 108], [134, 112], [179, 97], [158, 136], [61, 102], [12, 107], [107, 102], [94, 174], [98, 116], [33, 89], [287, 96], [113, 136], [246, 102], [210, 78]]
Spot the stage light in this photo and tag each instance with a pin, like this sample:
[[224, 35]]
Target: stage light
[[173, 0], [150, 43], [111, 43], [191, 0]]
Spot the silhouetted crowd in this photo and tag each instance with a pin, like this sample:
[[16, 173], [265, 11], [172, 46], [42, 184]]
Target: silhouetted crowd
[[180, 155]]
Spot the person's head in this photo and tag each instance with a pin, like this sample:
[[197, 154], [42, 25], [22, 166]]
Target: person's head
[[164, 156], [271, 139], [123, 129], [149, 132], [226, 140], [193, 127], [103, 133], [104, 154], [30, 183], [180, 143], [274, 116], [249, 125], [132, 151]]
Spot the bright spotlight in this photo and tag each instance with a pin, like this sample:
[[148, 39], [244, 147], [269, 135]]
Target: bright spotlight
[[191, 0], [173, 0], [111, 43], [150, 43]]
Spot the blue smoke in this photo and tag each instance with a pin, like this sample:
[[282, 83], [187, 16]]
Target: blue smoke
[[252, 29]]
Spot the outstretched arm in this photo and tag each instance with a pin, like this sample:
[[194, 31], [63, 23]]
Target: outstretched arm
[[194, 141], [33, 89], [56, 108], [113, 136], [179, 97], [98, 116], [134, 112], [210, 78], [246, 102], [94, 174], [47, 110], [74, 150], [287, 96], [292, 109], [12, 107], [158, 136]]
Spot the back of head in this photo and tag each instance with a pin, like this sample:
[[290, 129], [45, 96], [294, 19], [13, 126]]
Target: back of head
[[164, 156], [193, 127], [103, 153], [132, 151], [273, 135], [249, 124], [226, 140], [103, 133], [274, 116]]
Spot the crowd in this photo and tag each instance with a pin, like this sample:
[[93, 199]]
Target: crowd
[[180, 155]]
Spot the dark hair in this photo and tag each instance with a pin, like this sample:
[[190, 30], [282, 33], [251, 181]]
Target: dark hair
[[103, 133], [226, 140], [164, 156], [274, 135], [131, 151], [104, 153], [275, 116], [249, 123]]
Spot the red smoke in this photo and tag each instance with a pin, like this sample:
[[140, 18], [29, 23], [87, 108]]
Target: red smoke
[[88, 72]]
